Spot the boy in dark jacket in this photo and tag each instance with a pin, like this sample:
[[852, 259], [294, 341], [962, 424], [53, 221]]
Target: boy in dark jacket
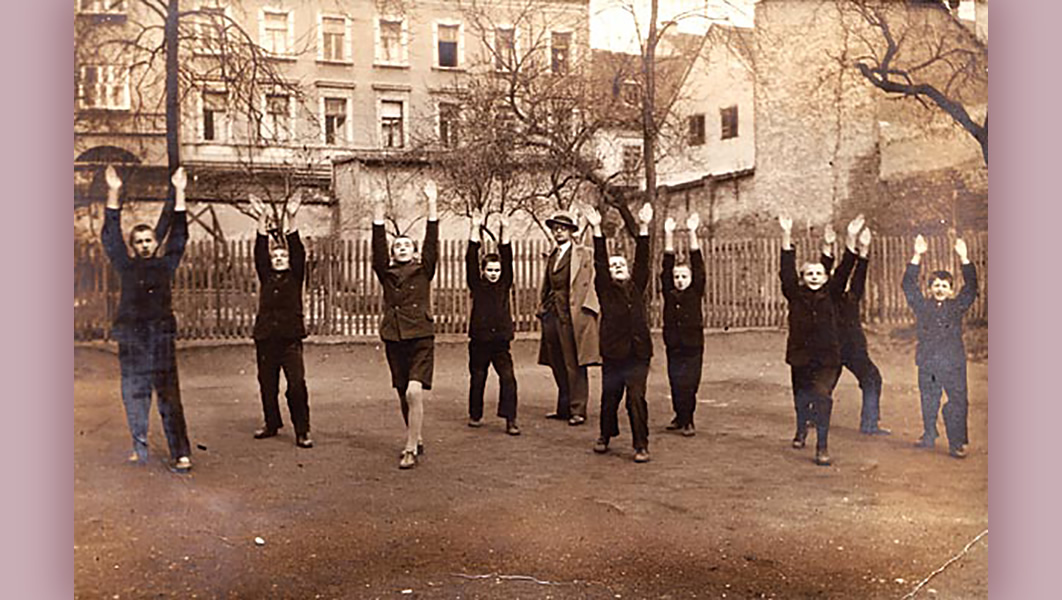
[[941, 354], [145, 327], [490, 326], [279, 327], [813, 350], [854, 355], [683, 289], [626, 347], [406, 326]]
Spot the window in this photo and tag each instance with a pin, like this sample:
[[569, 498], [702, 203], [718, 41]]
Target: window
[[277, 117], [335, 121], [632, 158], [211, 27], [729, 122], [449, 115], [333, 39], [560, 52], [631, 93], [390, 42], [448, 40], [276, 32], [505, 48], [101, 7], [696, 130], [103, 87], [391, 133], [214, 124]]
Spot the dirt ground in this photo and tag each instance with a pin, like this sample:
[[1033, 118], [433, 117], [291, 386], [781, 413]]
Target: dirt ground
[[731, 513]]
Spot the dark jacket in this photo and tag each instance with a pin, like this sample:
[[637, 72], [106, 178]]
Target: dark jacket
[[491, 319], [849, 319], [940, 323], [280, 297], [406, 288], [813, 336], [624, 327], [683, 316], [147, 283]]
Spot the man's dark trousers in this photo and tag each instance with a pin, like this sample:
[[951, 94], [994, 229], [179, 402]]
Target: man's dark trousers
[[148, 360], [684, 375], [951, 379], [273, 355], [573, 383], [857, 360], [630, 374], [813, 386], [481, 355]]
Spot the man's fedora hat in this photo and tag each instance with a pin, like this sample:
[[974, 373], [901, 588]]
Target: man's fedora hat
[[564, 219]]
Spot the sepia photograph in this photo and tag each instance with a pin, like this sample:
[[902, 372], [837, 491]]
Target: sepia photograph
[[530, 299]]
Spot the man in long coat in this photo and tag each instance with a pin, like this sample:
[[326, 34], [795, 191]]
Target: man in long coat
[[569, 311]]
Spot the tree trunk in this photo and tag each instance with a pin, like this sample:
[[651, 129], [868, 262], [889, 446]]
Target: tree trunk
[[648, 106], [173, 121]]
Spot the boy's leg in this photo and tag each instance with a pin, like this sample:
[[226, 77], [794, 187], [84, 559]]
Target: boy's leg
[[693, 362], [635, 378], [268, 357], [421, 369], [802, 399], [859, 363], [674, 380], [824, 380], [398, 363], [478, 363], [167, 388], [415, 412], [502, 359], [297, 394], [956, 408], [611, 392], [929, 388], [135, 366]]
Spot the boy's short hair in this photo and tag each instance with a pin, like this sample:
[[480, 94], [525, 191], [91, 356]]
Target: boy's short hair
[[141, 227], [489, 258], [682, 264], [416, 246], [941, 275]]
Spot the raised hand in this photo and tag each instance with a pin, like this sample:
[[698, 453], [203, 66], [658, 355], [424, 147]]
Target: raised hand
[[855, 225], [693, 222], [864, 238], [257, 206], [179, 179], [786, 223], [920, 245], [504, 218], [293, 205], [593, 217], [962, 250], [669, 225], [477, 217], [431, 191], [114, 182], [829, 236], [645, 215]]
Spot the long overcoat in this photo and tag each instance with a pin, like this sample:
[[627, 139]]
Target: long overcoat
[[584, 306]]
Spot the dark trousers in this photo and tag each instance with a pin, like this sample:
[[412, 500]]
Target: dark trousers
[[684, 375], [858, 362], [481, 355], [630, 375], [951, 379], [813, 395], [573, 382], [148, 360], [274, 355]]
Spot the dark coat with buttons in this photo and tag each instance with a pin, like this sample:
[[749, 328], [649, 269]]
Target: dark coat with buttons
[[280, 313], [624, 326], [406, 287], [849, 321], [491, 318], [683, 317], [583, 305], [147, 283], [940, 323], [813, 333]]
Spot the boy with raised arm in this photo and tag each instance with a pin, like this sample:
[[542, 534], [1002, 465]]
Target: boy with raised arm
[[941, 354], [279, 327], [626, 347], [406, 326], [813, 349], [682, 286], [145, 327], [490, 328]]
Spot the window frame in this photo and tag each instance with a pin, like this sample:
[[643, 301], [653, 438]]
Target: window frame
[[101, 87], [403, 41], [289, 38], [348, 128], [403, 103], [696, 136], [460, 50], [348, 39], [728, 122]]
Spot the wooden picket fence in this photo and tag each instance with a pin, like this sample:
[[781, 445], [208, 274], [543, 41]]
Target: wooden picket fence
[[215, 290]]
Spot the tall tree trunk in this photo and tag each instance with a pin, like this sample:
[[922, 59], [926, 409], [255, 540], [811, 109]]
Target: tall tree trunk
[[173, 121], [649, 104]]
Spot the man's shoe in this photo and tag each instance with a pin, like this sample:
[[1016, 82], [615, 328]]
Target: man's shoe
[[182, 464], [799, 440], [475, 423], [601, 445], [556, 416], [958, 451], [689, 430], [673, 425], [303, 441], [511, 428], [408, 460], [576, 420], [925, 443], [876, 431], [641, 455], [822, 458], [265, 432]]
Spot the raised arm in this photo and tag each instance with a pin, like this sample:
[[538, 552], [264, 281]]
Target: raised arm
[[111, 236], [968, 293], [839, 281], [601, 274], [787, 272], [178, 237], [829, 237], [641, 248], [505, 251], [296, 250], [859, 276], [697, 272], [472, 276], [429, 255], [667, 267], [911, 290], [380, 256]]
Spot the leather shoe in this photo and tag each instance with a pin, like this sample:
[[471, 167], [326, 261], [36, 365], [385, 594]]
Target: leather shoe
[[408, 460], [822, 458], [673, 425], [475, 423], [876, 431], [601, 445], [265, 432], [641, 455], [925, 443], [576, 420], [303, 441], [958, 451], [799, 440], [556, 416], [689, 430], [511, 428]]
